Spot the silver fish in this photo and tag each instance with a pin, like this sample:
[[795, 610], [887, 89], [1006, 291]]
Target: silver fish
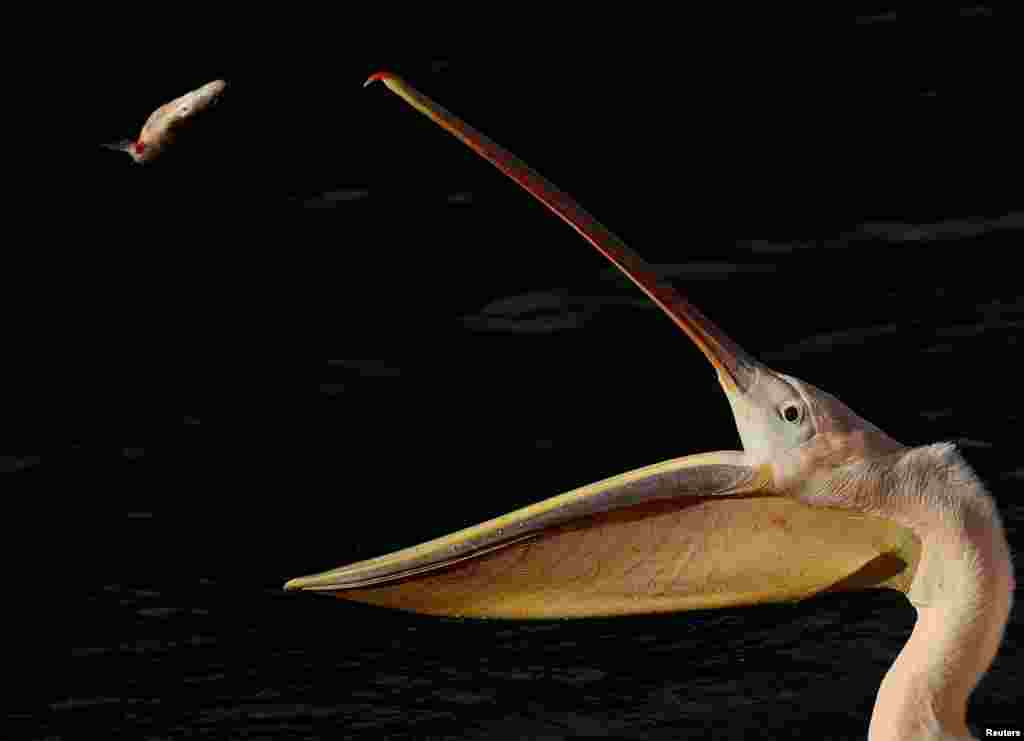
[[163, 125]]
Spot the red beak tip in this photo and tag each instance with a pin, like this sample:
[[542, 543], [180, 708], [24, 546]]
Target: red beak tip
[[382, 76]]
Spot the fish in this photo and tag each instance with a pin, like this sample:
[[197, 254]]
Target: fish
[[165, 123]]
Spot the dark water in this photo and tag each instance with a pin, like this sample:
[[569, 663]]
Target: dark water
[[280, 367]]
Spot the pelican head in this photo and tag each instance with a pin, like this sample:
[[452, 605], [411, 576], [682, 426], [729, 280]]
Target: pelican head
[[819, 499]]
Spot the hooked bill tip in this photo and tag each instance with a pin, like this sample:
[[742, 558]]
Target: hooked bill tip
[[382, 75]]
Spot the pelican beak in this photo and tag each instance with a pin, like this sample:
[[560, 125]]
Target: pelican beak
[[736, 369], [701, 531]]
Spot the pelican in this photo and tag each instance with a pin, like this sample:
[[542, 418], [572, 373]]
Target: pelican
[[817, 500], [163, 124]]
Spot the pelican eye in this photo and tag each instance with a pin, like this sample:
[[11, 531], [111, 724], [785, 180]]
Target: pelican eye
[[791, 413]]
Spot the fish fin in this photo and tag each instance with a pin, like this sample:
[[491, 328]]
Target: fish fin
[[124, 145]]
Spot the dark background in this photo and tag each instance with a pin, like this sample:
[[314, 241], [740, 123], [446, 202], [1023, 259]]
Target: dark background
[[266, 354]]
